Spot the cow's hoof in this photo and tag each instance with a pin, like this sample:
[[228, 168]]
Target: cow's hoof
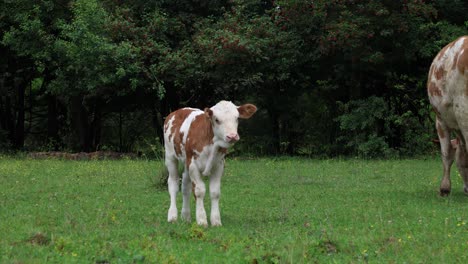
[[465, 190], [444, 192]]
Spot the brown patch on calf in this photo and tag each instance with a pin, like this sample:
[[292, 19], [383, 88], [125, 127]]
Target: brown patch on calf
[[179, 117], [200, 135], [208, 112], [433, 89]]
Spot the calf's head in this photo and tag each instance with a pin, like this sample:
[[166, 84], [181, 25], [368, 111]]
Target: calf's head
[[224, 119]]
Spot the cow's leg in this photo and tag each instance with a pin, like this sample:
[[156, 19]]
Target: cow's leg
[[200, 190], [215, 192], [173, 188], [461, 158], [448, 153], [186, 191]]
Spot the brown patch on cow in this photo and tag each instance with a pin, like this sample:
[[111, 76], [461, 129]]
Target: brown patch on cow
[[246, 110], [431, 72], [440, 73], [455, 61], [433, 89], [444, 50], [179, 117], [429, 77], [440, 131], [200, 135], [462, 59]]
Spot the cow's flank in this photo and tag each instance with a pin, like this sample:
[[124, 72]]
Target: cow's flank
[[447, 88]]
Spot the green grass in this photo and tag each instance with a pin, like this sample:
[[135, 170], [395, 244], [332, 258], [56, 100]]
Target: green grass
[[273, 211]]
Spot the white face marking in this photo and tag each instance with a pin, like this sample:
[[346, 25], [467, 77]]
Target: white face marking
[[185, 127], [225, 120]]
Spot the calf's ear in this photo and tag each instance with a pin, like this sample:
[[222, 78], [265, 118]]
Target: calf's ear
[[246, 110], [208, 113]]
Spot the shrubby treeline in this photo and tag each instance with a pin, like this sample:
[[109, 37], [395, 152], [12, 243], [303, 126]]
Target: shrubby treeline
[[342, 77]]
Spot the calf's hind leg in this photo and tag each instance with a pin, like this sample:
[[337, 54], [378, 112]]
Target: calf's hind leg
[[173, 188], [186, 191]]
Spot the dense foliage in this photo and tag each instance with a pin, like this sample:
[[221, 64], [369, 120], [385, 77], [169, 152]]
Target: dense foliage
[[341, 77]]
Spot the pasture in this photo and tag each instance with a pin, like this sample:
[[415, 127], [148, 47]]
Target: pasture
[[287, 210]]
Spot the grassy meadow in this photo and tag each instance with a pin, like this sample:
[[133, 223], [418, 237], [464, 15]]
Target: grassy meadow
[[287, 210]]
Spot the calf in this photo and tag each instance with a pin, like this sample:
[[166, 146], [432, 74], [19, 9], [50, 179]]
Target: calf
[[447, 87], [199, 139]]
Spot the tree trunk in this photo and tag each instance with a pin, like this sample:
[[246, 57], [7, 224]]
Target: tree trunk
[[95, 128], [276, 132], [79, 123], [52, 122], [120, 131], [10, 127], [158, 124], [19, 126]]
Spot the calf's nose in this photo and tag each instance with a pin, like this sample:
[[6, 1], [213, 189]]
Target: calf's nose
[[233, 137]]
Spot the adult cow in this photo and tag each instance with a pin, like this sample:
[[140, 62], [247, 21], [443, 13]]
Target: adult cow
[[447, 87], [199, 139]]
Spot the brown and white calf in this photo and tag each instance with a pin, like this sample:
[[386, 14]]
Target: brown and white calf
[[199, 139], [447, 87]]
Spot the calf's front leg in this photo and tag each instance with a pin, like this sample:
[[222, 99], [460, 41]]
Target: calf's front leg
[[215, 193], [200, 190]]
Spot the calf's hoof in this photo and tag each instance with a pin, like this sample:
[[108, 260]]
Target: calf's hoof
[[172, 215], [202, 223], [215, 220], [216, 223], [186, 217]]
